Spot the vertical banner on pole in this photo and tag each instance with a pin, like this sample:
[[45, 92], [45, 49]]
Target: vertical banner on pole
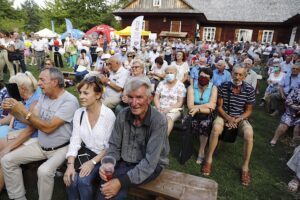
[[136, 32], [69, 26], [52, 25]]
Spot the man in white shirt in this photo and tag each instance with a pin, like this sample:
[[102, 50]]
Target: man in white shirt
[[115, 83], [153, 54], [251, 77], [39, 47]]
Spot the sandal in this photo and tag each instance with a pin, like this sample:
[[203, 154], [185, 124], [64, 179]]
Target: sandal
[[293, 185], [272, 144], [199, 160], [206, 169], [245, 178]]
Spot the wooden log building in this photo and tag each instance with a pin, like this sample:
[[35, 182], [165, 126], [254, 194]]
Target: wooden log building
[[220, 20]]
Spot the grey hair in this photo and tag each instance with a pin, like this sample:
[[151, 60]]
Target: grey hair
[[140, 62], [26, 79], [238, 66], [56, 74], [136, 82], [171, 67]]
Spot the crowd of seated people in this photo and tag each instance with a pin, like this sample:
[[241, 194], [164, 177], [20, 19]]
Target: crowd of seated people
[[130, 103]]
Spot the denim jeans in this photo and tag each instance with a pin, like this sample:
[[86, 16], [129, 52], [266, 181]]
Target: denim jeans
[[82, 187], [121, 169]]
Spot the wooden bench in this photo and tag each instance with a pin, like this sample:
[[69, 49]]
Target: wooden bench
[[173, 185], [69, 75]]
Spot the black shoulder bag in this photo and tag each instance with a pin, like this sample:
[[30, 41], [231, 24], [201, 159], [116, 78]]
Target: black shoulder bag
[[84, 154]]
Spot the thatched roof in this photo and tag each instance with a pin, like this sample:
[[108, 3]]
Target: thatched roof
[[234, 10], [246, 10]]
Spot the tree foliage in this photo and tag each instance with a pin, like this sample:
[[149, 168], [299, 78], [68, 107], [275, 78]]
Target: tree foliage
[[31, 12], [84, 14]]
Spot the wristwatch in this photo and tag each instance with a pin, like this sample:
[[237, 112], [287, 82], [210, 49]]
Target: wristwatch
[[108, 83], [94, 162]]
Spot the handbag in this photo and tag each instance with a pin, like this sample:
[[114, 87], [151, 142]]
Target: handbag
[[84, 154]]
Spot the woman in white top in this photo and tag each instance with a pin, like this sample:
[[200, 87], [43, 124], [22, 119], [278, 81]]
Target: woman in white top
[[182, 67], [92, 126], [273, 81], [169, 96]]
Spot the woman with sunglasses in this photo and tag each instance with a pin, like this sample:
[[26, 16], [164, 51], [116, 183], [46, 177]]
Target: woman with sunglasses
[[92, 127], [137, 70], [201, 101]]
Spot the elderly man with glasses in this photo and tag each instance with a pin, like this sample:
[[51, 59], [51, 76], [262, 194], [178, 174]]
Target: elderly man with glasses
[[114, 83]]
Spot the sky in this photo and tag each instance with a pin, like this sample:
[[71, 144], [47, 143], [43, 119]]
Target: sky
[[17, 3]]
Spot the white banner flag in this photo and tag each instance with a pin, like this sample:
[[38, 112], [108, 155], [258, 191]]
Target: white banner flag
[[136, 32]]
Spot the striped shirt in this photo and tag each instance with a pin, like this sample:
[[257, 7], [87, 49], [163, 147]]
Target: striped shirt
[[237, 102]]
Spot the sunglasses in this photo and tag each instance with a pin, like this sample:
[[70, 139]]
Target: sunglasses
[[94, 79]]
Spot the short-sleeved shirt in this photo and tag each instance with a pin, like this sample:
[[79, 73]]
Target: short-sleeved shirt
[[237, 102], [19, 45], [194, 74], [169, 96], [17, 125], [219, 78], [286, 67], [289, 83], [181, 70], [63, 108], [119, 78]]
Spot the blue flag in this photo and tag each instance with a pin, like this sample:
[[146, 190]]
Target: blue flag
[[69, 25]]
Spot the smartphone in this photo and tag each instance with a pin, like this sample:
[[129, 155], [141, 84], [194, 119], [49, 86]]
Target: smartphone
[[13, 91], [83, 158]]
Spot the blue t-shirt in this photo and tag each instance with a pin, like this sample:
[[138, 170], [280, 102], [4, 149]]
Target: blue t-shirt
[[17, 125]]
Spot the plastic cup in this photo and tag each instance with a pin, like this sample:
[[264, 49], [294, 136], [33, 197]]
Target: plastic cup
[[108, 165]]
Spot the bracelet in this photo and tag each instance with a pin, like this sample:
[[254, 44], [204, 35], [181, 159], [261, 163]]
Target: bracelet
[[70, 163]]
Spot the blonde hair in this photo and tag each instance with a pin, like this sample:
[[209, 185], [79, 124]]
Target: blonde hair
[[25, 79], [140, 62]]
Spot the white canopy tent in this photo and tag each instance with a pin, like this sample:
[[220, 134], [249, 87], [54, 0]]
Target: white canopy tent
[[46, 33]]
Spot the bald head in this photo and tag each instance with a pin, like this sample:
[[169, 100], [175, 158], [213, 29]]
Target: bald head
[[113, 63]]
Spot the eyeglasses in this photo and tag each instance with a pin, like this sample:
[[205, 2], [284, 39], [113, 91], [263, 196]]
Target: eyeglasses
[[135, 67], [94, 79], [47, 63], [129, 56]]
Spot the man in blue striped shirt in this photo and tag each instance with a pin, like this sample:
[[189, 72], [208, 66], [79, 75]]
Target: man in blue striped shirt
[[235, 104]]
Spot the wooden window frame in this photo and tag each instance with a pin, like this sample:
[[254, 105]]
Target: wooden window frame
[[205, 33], [243, 29], [266, 34], [172, 25], [156, 1]]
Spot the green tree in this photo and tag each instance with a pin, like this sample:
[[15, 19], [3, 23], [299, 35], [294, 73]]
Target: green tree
[[10, 19], [31, 12], [84, 14]]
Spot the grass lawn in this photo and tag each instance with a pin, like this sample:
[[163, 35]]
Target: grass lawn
[[270, 174]]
